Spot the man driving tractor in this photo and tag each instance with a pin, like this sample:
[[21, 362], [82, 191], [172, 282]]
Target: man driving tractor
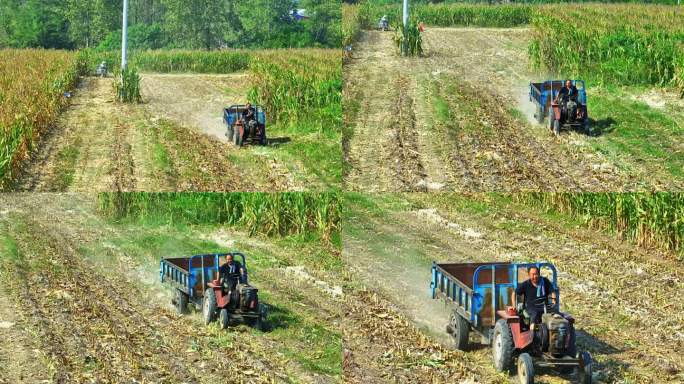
[[568, 98], [227, 273], [536, 290], [249, 117]]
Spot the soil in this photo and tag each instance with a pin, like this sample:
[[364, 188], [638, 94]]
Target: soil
[[631, 330], [174, 141], [488, 141]]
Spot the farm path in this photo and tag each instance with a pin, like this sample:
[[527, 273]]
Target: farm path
[[457, 120], [92, 308], [173, 141], [632, 332]]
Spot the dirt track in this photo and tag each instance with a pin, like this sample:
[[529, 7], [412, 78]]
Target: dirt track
[[174, 141], [444, 122], [74, 317], [631, 330]]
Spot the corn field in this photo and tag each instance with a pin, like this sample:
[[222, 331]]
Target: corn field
[[299, 84], [32, 94], [228, 61], [408, 40], [277, 214], [649, 219], [127, 86], [613, 43]]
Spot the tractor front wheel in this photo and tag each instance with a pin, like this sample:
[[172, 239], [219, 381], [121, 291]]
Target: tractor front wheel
[[502, 347], [585, 368], [525, 369], [460, 330], [224, 318], [209, 306]]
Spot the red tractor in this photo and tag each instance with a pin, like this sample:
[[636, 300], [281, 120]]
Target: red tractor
[[232, 302], [479, 295]]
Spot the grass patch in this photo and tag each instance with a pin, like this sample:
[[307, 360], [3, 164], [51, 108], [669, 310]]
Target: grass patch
[[65, 165]]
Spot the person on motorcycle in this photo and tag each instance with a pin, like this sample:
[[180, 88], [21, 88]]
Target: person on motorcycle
[[230, 273], [536, 290]]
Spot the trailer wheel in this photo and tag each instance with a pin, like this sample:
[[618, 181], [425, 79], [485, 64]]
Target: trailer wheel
[[585, 368], [181, 302], [502, 346], [224, 318], [540, 114], [460, 330], [525, 369], [209, 306]]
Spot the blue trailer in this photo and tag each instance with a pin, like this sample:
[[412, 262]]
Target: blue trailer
[[480, 296], [195, 281], [240, 132], [573, 115]]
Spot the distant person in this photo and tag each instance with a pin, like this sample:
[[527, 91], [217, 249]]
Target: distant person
[[536, 290], [230, 273], [567, 93]]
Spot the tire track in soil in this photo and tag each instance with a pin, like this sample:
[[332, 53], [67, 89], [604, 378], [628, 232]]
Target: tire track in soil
[[372, 139], [123, 167], [409, 169]]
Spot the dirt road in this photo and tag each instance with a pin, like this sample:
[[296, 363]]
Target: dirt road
[[173, 141], [82, 303], [459, 119], [631, 330]]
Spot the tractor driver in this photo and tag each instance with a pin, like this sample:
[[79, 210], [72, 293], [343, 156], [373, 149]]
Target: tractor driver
[[249, 116], [536, 290], [227, 273], [567, 93]]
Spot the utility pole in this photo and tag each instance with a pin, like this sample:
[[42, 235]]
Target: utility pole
[[124, 35], [404, 45]]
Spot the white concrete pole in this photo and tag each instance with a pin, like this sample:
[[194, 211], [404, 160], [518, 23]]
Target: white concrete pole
[[406, 13], [124, 35]]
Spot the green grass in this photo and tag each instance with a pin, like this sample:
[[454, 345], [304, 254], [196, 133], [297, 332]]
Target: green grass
[[65, 165], [634, 133]]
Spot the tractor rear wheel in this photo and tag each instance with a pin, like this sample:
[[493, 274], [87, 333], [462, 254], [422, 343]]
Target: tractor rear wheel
[[585, 368], [209, 306], [552, 118], [181, 302], [224, 318], [502, 346], [540, 114], [229, 133], [556, 127], [525, 369], [586, 126], [460, 330]]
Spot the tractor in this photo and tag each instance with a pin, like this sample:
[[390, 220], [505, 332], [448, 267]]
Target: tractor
[[240, 131]]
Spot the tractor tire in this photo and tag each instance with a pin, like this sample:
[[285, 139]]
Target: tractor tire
[[180, 301], [502, 346], [229, 133], [556, 127], [262, 139], [586, 126], [540, 114], [209, 306], [585, 368], [552, 118], [224, 318], [460, 330], [525, 369]]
